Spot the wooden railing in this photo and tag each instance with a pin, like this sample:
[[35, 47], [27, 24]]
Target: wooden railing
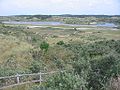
[[20, 79]]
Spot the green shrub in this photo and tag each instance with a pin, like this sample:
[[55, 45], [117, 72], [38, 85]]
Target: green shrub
[[44, 46], [97, 62], [66, 81], [35, 67], [63, 81], [60, 43]]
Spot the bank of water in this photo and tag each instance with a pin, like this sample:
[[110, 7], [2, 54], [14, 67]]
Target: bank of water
[[59, 23]]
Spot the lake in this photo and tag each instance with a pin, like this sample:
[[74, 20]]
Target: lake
[[59, 23]]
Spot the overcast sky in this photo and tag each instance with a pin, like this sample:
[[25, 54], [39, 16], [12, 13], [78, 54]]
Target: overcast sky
[[80, 7]]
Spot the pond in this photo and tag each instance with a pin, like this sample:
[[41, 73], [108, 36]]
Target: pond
[[59, 23]]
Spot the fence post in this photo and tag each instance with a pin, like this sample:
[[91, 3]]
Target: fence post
[[18, 78], [40, 78]]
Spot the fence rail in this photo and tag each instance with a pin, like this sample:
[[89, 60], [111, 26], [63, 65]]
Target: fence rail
[[20, 79]]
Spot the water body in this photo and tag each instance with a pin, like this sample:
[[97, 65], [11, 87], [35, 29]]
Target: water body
[[34, 23], [59, 23], [107, 25]]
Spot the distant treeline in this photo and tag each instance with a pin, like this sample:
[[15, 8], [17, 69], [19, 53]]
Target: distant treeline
[[65, 18], [36, 16], [83, 16], [64, 15]]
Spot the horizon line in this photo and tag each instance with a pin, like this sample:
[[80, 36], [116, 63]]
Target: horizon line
[[65, 14]]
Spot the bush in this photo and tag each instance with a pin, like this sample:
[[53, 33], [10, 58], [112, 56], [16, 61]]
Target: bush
[[63, 81], [44, 46], [97, 62], [60, 43], [66, 81], [35, 67]]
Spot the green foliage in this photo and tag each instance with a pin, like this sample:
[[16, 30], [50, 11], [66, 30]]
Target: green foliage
[[60, 43], [97, 62], [102, 70], [35, 67], [63, 81], [4, 71], [44, 46], [34, 39], [93, 66], [66, 81]]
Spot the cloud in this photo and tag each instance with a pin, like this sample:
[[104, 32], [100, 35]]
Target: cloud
[[8, 7]]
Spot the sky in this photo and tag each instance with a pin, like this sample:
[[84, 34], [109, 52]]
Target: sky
[[57, 7]]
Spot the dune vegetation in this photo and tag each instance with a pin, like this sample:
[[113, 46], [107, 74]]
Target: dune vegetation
[[89, 56]]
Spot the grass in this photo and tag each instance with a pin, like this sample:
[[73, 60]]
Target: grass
[[21, 87], [13, 48], [53, 34], [66, 35], [16, 44]]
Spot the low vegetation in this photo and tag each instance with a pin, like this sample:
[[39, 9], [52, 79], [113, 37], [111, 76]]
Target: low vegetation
[[89, 58]]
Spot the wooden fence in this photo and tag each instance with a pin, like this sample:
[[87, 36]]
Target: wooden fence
[[20, 79]]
